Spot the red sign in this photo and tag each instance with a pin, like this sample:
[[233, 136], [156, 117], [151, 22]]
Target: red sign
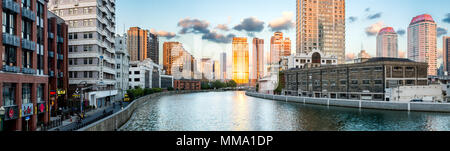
[[52, 92], [11, 113], [42, 107]]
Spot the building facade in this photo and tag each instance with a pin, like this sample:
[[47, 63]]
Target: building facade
[[240, 72], [370, 80], [216, 70], [122, 66], [34, 64], [257, 60], [446, 50], [184, 84], [177, 61], [207, 69], [92, 26], [279, 47], [422, 42], [138, 42], [144, 74], [223, 66], [321, 26], [166, 81], [300, 61], [153, 47], [387, 43]]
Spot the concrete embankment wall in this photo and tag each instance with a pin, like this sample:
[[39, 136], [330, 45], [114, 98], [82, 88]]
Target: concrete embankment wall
[[398, 106], [118, 119]]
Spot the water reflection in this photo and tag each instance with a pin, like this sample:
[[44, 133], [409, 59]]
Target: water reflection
[[234, 111]]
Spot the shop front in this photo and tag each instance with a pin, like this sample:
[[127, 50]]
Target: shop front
[[10, 118], [27, 115]]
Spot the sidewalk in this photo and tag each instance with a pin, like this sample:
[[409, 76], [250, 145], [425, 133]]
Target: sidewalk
[[89, 117]]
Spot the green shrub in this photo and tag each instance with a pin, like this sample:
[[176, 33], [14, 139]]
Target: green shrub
[[170, 89]]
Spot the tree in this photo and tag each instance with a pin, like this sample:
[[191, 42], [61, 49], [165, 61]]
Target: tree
[[232, 84], [281, 83]]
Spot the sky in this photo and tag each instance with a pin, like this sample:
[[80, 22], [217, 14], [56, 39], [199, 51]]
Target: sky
[[205, 27]]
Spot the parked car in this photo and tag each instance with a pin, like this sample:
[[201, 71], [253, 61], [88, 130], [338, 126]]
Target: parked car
[[417, 100]]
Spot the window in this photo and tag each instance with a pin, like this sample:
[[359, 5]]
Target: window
[[366, 82], [9, 23], [26, 59], [85, 74], [354, 81], [9, 92], [9, 56], [26, 93], [137, 72], [137, 80], [26, 29], [40, 93]]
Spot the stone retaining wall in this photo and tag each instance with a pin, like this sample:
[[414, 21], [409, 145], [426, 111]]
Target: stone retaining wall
[[398, 106]]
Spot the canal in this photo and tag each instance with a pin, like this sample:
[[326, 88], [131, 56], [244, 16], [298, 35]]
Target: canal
[[234, 111]]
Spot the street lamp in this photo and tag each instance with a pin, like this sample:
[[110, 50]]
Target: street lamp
[[2, 113]]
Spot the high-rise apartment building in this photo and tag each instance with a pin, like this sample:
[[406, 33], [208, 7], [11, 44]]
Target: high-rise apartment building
[[321, 26], [387, 43], [240, 72], [279, 47], [91, 47], [257, 59], [216, 70], [34, 68], [422, 41], [122, 66], [446, 51], [138, 42], [223, 66], [206, 68], [153, 47]]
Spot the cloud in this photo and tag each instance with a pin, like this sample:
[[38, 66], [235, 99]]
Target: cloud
[[353, 19], [162, 33], [441, 31], [283, 23], [447, 18], [222, 27], [401, 32], [350, 56], [374, 16], [193, 26], [373, 29], [219, 38], [251, 24], [440, 53], [367, 9]]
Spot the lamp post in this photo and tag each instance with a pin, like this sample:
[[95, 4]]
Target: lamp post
[[2, 113]]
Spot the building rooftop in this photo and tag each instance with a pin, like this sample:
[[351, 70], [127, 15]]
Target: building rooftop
[[388, 59], [387, 30], [421, 18]]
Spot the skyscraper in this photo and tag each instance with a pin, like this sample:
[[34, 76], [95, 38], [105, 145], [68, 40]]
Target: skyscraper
[[216, 70], [138, 43], [279, 47], [257, 59], [177, 61], [446, 51], [153, 47], [321, 26], [240, 61], [92, 41], [207, 67], [422, 41], [223, 66], [387, 43], [167, 56]]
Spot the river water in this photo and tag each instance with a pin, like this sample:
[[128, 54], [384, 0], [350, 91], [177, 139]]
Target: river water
[[234, 111]]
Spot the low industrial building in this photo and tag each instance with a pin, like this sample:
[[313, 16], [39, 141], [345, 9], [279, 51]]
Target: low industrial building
[[368, 80], [187, 84], [431, 93]]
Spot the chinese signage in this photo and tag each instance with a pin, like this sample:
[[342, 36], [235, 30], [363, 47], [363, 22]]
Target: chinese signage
[[11, 113], [27, 109], [41, 108], [61, 92]]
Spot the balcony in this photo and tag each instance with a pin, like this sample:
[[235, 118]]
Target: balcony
[[11, 40], [11, 5], [28, 71], [51, 54], [28, 14], [12, 69], [27, 44]]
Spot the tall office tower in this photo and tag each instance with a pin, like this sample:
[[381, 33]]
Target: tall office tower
[[279, 47], [217, 70], [446, 51], [92, 41], [167, 57], [206, 68], [257, 59], [122, 66], [321, 26], [387, 43], [177, 61], [240, 61], [153, 47], [223, 66], [33, 64], [138, 43], [422, 41]]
